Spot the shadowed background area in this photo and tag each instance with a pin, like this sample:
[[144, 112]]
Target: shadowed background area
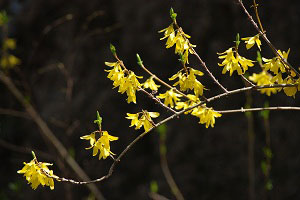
[[63, 46]]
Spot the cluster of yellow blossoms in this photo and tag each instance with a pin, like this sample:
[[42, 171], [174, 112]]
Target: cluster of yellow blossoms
[[234, 62], [188, 81], [273, 70], [143, 118], [126, 80], [101, 144], [37, 173], [7, 60], [178, 38]]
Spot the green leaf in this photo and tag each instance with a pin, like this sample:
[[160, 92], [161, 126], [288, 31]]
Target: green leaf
[[268, 152], [237, 40], [162, 131], [112, 49], [248, 114], [98, 120], [264, 167], [258, 58], [139, 60], [265, 113], [3, 18], [153, 186], [173, 15], [269, 185]]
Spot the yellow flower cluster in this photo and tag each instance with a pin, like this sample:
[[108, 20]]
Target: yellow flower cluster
[[180, 40], [273, 72], [37, 173], [234, 62], [101, 144], [264, 78], [206, 115], [7, 60], [143, 118], [126, 80], [187, 80]]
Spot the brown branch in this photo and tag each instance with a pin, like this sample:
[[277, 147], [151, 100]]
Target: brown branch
[[20, 149], [200, 60], [258, 109], [264, 36], [117, 160], [15, 113], [151, 96], [156, 196], [46, 132], [162, 82], [166, 170]]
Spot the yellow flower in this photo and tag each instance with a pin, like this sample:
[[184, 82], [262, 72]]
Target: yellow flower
[[91, 138], [149, 83], [170, 97], [206, 115], [167, 31], [250, 41], [142, 119], [37, 173], [193, 100], [9, 61], [264, 78], [188, 81], [9, 43], [100, 145], [290, 91], [232, 63], [275, 64]]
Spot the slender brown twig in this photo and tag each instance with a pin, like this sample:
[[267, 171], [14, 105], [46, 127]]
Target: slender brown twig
[[200, 60], [264, 36], [258, 109], [15, 113], [175, 115], [46, 132], [165, 168], [162, 82]]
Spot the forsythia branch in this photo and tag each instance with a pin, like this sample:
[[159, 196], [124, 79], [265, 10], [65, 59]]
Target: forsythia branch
[[264, 36]]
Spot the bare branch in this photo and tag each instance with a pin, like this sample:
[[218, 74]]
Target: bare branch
[[15, 113], [258, 109], [46, 132], [264, 36]]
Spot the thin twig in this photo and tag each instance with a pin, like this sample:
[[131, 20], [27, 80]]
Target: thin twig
[[151, 96], [166, 170], [15, 113], [246, 80], [156, 196], [175, 115], [258, 109], [264, 36], [26, 150], [162, 82], [200, 60], [46, 132], [251, 147]]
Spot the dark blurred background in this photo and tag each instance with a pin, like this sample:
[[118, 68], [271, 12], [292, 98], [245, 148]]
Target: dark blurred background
[[63, 46]]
